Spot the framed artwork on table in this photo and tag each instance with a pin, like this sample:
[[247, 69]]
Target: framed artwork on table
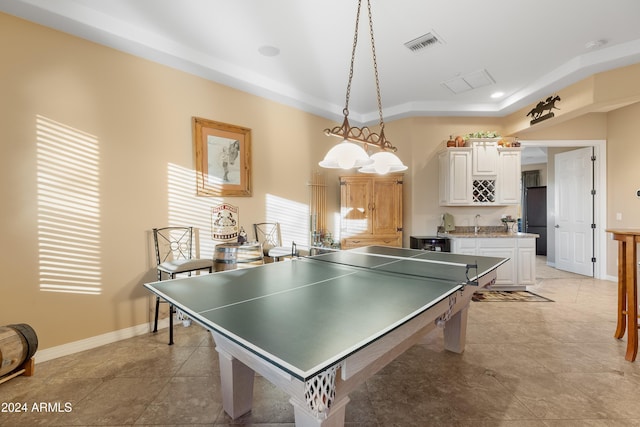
[[223, 158]]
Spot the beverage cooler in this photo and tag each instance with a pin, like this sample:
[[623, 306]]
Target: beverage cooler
[[430, 243]]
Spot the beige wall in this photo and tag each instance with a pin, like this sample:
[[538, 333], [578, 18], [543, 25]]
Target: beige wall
[[427, 136], [624, 157], [623, 153], [590, 126], [140, 114]]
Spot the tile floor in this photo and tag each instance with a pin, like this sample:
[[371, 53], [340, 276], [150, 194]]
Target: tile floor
[[525, 364]]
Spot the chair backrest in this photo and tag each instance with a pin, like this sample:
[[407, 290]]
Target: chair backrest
[[173, 243], [268, 233]]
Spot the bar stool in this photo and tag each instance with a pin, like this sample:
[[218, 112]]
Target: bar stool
[[628, 240]]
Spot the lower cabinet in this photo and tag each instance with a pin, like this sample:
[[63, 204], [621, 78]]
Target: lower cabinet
[[464, 246], [516, 273], [527, 261], [357, 242], [507, 273]]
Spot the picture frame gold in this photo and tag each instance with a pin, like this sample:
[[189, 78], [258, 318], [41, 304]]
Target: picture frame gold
[[223, 158]]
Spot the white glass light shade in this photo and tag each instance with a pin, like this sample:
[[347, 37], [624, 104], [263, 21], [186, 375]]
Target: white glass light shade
[[384, 162], [346, 155]]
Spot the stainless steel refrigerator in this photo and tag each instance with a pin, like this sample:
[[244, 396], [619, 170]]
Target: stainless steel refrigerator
[[535, 220]]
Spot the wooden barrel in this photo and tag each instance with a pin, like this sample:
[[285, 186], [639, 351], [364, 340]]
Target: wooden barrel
[[229, 256], [18, 343]]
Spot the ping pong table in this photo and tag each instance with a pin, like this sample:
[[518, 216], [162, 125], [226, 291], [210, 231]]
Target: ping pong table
[[317, 327]]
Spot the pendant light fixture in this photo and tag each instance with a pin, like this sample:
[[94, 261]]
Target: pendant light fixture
[[383, 163], [351, 152], [346, 155]]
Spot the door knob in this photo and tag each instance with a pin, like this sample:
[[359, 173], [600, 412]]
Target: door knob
[[557, 226]]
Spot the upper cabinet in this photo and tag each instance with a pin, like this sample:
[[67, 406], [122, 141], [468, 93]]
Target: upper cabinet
[[371, 210], [455, 176], [508, 178], [485, 158], [484, 174]]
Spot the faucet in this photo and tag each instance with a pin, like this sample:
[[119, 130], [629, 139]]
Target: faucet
[[475, 224]]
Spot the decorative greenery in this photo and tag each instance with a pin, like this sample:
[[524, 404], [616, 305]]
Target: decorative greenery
[[485, 134]]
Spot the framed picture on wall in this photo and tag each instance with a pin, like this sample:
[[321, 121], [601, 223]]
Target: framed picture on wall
[[225, 223], [223, 158]]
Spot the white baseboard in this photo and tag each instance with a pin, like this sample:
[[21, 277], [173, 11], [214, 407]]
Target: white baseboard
[[97, 341], [606, 277]]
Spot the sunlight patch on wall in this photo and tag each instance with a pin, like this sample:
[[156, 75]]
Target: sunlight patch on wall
[[186, 209], [336, 226], [294, 219], [68, 209]]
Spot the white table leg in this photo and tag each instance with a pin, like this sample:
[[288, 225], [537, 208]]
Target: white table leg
[[304, 418], [237, 385], [455, 331]]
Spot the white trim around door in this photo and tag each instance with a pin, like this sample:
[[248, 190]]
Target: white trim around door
[[600, 199]]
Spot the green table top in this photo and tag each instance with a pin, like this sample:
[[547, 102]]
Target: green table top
[[307, 314]]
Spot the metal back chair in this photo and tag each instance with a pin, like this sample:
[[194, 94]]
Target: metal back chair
[[268, 233], [174, 255]]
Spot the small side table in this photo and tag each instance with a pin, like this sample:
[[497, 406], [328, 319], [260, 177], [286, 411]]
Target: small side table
[[229, 256], [628, 240]]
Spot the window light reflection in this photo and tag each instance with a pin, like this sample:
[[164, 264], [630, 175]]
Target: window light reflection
[[68, 209], [186, 209], [294, 219]]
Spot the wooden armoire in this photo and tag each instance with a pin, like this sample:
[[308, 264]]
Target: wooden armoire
[[370, 210]]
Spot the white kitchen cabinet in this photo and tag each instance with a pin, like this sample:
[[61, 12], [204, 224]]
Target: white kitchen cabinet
[[507, 274], [482, 175], [485, 158], [464, 246], [515, 274], [455, 176], [527, 261], [508, 178]]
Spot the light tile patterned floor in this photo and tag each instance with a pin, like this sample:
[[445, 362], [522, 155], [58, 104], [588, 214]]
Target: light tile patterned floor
[[525, 364]]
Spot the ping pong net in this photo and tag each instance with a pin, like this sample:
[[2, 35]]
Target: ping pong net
[[439, 266]]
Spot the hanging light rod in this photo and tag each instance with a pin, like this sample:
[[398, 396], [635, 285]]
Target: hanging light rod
[[362, 135], [344, 155]]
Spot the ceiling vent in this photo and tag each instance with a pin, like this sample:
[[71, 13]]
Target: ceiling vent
[[469, 81], [423, 42]]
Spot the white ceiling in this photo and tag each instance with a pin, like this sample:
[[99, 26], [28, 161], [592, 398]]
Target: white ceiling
[[530, 49], [534, 155]]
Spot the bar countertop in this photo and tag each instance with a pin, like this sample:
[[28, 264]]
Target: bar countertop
[[485, 232]]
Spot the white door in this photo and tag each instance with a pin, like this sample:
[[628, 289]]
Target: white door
[[574, 211]]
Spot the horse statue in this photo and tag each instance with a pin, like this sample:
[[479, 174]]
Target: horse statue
[[536, 111], [549, 104]]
